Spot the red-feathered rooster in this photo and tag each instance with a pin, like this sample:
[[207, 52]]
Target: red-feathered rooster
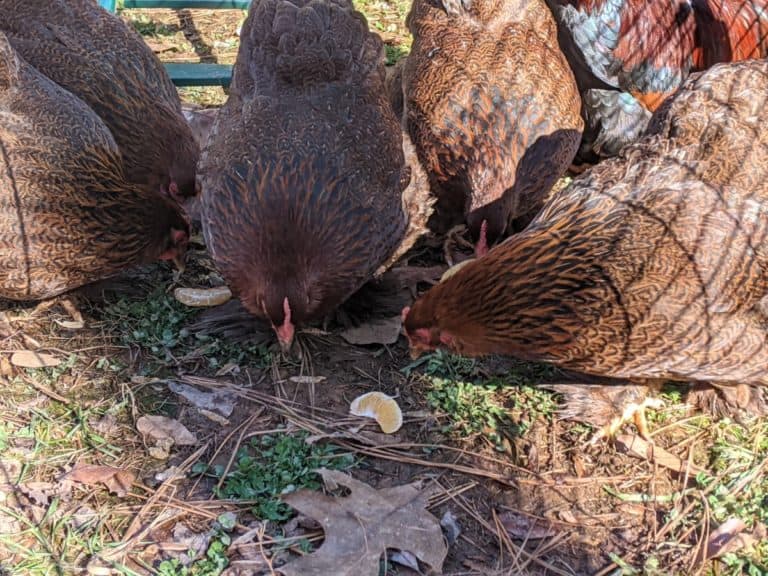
[[629, 55]]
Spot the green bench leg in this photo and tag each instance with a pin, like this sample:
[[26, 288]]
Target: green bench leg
[[189, 74]]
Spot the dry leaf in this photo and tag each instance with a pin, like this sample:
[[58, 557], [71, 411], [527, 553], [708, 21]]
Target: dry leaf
[[31, 359], [385, 331], [406, 559], [117, 480], [450, 527], [729, 537], [359, 528], [5, 367], [639, 448], [162, 427], [200, 121], [221, 402], [521, 527]]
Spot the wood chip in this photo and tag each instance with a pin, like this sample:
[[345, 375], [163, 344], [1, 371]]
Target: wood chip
[[31, 359]]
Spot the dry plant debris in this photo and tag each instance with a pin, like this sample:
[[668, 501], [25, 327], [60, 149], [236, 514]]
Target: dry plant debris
[[359, 528], [117, 480], [31, 359]]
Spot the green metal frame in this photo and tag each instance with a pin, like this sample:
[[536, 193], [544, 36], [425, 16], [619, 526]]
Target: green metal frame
[[189, 74]]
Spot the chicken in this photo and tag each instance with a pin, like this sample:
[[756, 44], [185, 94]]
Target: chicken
[[492, 108], [629, 55], [67, 215], [97, 57], [650, 266], [306, 189]]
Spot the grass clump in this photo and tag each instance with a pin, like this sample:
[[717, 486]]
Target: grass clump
[[473, 403], [156, 324], [271, 465]]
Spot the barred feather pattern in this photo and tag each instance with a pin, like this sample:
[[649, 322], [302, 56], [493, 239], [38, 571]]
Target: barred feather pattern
[[653, 264], [491, 107], [97, 57], [304, 170], [67, 215]]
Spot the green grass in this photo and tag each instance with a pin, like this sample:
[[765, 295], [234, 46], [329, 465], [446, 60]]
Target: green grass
[[156, 324], [736, 455], [473, 403], [269, 466]]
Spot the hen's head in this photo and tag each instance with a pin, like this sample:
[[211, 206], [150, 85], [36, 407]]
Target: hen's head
[[455, 315], [172, 233], [424, 333], [175, 154], [285, 301]]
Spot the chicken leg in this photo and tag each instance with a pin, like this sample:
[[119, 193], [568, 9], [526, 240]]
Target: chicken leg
[[608, 407]]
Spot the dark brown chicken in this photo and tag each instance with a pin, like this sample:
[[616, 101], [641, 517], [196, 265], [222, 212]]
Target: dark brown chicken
[[304, 173], [652, 265], [629, 55], [98, 58], [67, 215], [492, 108]]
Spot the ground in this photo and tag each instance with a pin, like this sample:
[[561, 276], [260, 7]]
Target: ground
[[89, 484]]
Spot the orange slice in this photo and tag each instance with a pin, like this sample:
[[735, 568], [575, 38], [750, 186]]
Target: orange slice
[[380, 407], [455, 268], [201, 297]]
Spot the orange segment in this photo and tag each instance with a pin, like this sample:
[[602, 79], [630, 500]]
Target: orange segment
[[381, 407]]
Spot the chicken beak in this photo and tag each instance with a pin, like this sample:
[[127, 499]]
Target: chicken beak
[[179, 261], [285, 345], [416, 352]]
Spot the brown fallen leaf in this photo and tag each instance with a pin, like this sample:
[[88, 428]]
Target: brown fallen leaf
[[162, 427], [31, 359], [200, 121], [639, 448], [117, 480], [380, 331], [359, 528], [522, 527]]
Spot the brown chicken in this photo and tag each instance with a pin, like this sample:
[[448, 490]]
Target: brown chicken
[[651, 266], [492, 108], [629, 55], [97, 57], [67, 215], [304, 173]]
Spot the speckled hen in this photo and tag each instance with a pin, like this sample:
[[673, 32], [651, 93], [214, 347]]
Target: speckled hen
[[492, 108], [97, 57], [67, 215], [652, 265], [304, 173], [629, 55]]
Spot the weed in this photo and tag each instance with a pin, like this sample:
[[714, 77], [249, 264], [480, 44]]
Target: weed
[[156, 323], [273, 465], [485, 405], [213, 564], [146, 26], [152, 323], [470, 408], [444, 365], [395, 53]]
